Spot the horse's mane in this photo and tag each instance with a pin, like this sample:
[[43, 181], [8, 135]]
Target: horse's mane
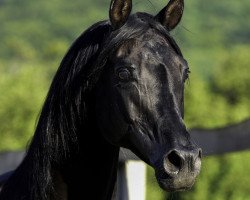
[[64, 114], [56, 139]]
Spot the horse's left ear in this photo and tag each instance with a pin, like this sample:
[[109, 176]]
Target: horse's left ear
[[170, 16], [119, 12]]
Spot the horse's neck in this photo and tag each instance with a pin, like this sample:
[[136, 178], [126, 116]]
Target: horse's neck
[[93, 173]]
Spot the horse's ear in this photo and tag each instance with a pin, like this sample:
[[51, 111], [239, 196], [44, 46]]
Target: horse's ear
[[119, 12], [170, 16]]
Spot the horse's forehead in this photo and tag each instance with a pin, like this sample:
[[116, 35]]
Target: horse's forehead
[[150, 40], [151, 47], [157, 47], [152, 37]]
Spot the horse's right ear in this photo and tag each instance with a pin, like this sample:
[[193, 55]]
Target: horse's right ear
[[119, 12], [170, 16]]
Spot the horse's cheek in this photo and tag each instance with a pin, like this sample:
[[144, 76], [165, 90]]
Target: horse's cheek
[[111, 123]]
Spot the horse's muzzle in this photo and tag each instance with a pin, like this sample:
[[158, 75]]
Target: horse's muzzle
[[178, 169]]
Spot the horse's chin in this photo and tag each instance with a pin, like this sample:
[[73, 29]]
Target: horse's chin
[[170, 185], [181, 181]]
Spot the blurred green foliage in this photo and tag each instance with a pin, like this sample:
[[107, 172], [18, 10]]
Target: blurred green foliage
[[213, 35]]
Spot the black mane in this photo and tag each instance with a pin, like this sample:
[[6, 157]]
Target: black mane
[[62, 117]]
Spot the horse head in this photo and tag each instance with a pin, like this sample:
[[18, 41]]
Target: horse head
[[142, 93]]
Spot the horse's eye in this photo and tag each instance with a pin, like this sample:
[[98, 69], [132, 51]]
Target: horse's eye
[[186, 75], [124, 74]]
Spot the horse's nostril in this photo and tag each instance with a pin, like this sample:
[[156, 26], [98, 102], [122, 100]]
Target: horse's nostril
[[173, 162], [200, 154]]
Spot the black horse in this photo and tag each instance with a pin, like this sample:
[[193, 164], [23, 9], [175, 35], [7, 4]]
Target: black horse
[[120, 85]]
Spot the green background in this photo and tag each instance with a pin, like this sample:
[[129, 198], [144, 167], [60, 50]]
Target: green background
[[214, 37]]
